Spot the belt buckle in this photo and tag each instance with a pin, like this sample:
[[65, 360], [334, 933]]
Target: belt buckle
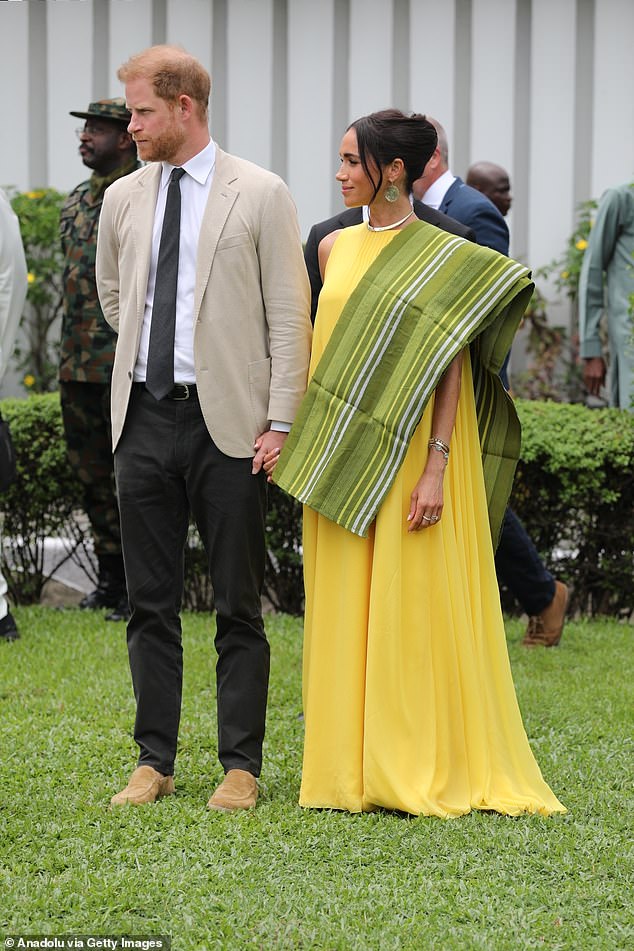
[[180, 388]]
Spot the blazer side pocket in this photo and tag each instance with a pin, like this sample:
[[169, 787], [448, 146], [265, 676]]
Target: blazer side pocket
[[259, 374]]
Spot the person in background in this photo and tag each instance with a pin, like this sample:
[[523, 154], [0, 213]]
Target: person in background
[[441, 189], [494, 182], [408, 696], [13, 287], [88, 343], [517, 561], [200, 271], [606, 286]]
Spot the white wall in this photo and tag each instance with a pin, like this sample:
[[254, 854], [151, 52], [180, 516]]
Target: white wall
[[503, 76]]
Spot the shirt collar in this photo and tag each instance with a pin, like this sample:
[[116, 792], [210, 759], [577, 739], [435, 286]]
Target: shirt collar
[[437, 190], [199, 167]]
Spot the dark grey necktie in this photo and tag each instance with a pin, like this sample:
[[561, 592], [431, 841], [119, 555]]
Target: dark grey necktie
[[159, 377]]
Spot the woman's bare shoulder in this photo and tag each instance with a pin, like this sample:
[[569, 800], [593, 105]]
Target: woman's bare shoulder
[[324, 249]]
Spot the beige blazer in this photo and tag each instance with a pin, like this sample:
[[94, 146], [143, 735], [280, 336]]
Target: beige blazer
[[252, 327]]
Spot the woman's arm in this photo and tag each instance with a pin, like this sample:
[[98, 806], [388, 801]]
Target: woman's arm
[[426, 500]]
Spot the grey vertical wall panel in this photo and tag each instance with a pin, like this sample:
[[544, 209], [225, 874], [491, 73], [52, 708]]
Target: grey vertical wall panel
[[400, 55], [584, 104], [159, 21], [279, 99], [460, 138], [219, 71], [521, 131], [100, 48], [341, 116], [37, 113]]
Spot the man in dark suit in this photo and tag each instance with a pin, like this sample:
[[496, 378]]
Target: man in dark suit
[[439, 188], [517, 561], [354, 216]]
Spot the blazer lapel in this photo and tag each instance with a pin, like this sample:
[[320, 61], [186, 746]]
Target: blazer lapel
[[142, 208], [450, 194], [222, 197]]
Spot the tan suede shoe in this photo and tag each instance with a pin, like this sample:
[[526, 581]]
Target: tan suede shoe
[[544, 630], [238, 790], [145, 785]]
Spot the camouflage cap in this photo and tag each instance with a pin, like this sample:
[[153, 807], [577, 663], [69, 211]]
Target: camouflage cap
[[113, 109]]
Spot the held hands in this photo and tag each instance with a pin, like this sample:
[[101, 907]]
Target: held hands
[[267, 451]]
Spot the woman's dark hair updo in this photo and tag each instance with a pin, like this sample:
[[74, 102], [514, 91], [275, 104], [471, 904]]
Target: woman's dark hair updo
[[389, 134]]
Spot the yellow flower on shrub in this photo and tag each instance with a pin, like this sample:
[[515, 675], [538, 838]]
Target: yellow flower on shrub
[[29, 380], [565, 275], [581, 244], [31, 278], [35, 194]]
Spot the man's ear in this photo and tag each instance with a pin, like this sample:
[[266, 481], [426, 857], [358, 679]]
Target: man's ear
[[185, 105]]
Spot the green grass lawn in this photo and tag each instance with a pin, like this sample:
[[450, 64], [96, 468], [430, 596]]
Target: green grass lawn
[[282, 877]]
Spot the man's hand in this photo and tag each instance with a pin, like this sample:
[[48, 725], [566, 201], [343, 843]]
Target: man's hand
[[594, 374], [267, 450]]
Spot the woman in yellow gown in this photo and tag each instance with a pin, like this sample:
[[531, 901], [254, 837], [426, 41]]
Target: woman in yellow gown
[[409, 700]]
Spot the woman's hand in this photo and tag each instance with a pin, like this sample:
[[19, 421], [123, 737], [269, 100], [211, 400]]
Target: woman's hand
[[426, 500], [270, 461], [267, 451]]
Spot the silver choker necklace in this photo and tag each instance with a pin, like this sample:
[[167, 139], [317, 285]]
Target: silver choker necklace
[[396, 224]]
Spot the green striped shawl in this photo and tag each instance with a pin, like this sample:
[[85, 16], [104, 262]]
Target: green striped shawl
[[426, 296]]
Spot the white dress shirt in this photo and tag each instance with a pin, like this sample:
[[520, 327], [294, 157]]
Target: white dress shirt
[[195, 185], [436, 192]]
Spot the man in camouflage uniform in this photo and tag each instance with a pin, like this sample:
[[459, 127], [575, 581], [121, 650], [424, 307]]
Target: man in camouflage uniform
[[88, 345]]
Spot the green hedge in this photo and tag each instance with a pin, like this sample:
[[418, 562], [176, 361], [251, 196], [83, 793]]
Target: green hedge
[[43, 502], [574, 491]]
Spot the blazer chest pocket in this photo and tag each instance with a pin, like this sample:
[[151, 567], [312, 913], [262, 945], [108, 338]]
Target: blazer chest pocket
[[242, 239]]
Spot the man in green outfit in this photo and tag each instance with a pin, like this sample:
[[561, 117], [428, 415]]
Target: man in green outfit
[[610, 257], [88, 345]]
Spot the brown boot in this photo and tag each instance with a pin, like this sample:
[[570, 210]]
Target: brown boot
[[544, 630], [146, 785], [238, 790]]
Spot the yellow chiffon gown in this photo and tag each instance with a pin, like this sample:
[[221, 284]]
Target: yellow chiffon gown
[[409, 700]]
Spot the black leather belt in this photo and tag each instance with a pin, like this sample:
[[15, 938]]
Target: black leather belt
[[182, 391]]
